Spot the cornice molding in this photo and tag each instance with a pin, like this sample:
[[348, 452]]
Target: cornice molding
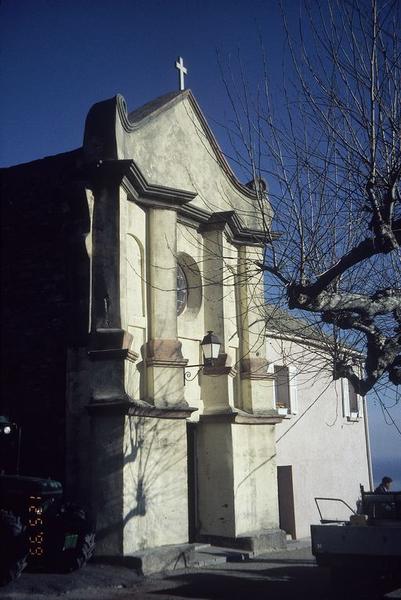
[[154, 412], [175, 364], [118, 353], [148, 191], [230, 223], [114, 407], [242, 418], [192, 215], [137, 408], [127, 173]]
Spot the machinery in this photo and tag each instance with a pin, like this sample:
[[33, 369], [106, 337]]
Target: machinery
[[37, 526], [366, 546]]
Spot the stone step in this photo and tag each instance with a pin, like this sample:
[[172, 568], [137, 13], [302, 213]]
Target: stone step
[[206, 554], [299, 544]]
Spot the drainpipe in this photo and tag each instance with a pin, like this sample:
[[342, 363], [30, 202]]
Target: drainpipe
[[367, 441]]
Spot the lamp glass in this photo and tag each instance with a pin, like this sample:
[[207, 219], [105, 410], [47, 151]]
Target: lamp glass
[[210, 346]]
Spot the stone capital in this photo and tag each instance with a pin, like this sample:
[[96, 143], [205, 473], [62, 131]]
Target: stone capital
[[111, 343], [255, 368], [165, 352], [221, 366]]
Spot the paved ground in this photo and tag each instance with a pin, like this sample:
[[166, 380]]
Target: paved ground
[[279, 575]]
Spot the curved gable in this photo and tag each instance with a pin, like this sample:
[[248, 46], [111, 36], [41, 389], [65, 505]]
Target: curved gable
[[172, 145]]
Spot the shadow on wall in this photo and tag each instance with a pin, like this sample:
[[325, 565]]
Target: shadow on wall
[[153, 450], [140, 476], [155, 475]]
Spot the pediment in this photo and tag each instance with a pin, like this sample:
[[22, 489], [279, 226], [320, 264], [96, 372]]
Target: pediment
[[173, 147]]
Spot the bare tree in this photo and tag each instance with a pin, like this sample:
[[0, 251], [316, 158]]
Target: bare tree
[[329, 146]]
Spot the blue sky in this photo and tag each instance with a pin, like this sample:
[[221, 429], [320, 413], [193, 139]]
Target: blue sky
[[58, 57]]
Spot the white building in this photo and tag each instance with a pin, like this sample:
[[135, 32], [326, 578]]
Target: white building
[[323, 442]]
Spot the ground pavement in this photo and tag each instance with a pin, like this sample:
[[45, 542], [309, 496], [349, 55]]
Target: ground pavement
[[282, 575]]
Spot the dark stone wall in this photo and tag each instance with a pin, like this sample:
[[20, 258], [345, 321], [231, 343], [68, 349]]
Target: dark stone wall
[[44, 300]]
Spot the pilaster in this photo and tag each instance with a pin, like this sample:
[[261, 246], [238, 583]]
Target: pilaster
[[164, 357], [237, 481], [256, 382], [217, 385], [108, 345], [105, 300]]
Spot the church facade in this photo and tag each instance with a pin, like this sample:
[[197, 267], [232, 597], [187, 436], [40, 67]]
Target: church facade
[[121, 256]]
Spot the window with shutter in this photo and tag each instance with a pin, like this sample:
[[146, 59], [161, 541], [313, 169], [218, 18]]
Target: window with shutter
[[292, 373], [353, 402], [285, 387], [350, 401], [281, 388], [345, 398], [353, 399]]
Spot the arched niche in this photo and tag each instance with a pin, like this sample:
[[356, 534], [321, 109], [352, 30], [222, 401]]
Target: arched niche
[[135, 279], [193, 277]]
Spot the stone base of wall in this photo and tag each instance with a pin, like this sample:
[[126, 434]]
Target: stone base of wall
[[155, 560], [256, 542]]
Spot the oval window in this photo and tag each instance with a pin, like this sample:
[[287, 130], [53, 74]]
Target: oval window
[[182, 290]]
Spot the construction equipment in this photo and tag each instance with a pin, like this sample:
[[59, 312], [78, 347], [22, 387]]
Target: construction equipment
[[367, 544], [37, 526]]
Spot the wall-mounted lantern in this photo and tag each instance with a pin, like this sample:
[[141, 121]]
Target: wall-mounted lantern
[[210, 347]]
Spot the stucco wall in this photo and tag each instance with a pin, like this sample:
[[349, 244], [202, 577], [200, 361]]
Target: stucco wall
[[155, 483], [255, 489], [216, 511], [237, 481]]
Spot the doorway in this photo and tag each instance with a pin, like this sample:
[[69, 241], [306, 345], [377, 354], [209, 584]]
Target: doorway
[[286, 500], [192, 482]]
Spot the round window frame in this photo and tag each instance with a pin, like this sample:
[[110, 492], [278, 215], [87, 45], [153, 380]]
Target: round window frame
[[182, 288], [191, 272]]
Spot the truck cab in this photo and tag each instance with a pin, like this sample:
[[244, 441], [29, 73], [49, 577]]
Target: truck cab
[[369, 541]]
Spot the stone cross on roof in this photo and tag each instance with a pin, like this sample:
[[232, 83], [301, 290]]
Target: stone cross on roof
[[179, 64]]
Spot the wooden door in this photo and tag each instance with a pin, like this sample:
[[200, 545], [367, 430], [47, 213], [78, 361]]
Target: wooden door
[[286, 500]]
